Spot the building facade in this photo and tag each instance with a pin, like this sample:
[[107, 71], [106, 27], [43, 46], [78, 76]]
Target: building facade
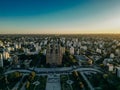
[[1, 60], [54, 54]]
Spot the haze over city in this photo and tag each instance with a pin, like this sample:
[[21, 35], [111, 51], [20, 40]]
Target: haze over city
[[59, 16]]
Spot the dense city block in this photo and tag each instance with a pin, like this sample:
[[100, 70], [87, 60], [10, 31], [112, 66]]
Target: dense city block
[[60, 62]]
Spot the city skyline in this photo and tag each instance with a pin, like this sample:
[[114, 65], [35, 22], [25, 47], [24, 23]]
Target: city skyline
[[59, 16]]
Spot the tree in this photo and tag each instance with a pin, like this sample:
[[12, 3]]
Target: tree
[[17, 74], [81, 85], [27, 84], [71, 57], [118, 87], [31, 76], [75, 73], [1, 70]]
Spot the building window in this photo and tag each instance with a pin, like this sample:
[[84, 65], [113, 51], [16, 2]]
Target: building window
[[51, 51], [56, 51]]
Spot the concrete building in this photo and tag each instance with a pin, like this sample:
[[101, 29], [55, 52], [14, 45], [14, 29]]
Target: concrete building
[[44, 52], [1, 43], [98, 50], [107, 60], [112, 55], [16, 46], [1, 60], [118, 71], [110, 67], [72, 50], [54, 54], [6, 55], [63, 50]]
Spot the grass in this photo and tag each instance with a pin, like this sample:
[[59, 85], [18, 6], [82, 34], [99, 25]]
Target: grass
[[41, 86], [99, 81], [64, 84]]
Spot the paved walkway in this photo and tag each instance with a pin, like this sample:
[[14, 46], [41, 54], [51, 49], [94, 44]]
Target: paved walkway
[[23, 87], [53, 82], [18, 83], [87, 81]]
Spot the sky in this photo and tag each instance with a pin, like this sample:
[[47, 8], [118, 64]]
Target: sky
[[59, 16]]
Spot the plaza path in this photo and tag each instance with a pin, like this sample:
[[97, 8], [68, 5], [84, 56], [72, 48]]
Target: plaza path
[[53, 82]]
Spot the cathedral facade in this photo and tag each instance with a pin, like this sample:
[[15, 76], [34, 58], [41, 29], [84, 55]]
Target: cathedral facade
[[54, 54]]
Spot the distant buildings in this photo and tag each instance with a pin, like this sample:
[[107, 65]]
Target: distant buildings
[[83, 60], [107, 60], [54, 54]]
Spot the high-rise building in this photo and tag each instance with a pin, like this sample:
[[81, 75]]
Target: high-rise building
[[6, 55], [118, 71], [72, 50], [54, 54], [1, 43], [63, 50], [1, 60]]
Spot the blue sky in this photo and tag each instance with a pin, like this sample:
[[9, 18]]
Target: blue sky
[[59, 16]]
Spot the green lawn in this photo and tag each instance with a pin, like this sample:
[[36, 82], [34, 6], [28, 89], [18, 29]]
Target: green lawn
[[41, 86], [64, 84]]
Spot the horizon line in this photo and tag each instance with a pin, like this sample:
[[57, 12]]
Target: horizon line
[[53, 33]]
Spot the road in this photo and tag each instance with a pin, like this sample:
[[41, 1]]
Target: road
[[54, 70], [23, 86], [64, 70]]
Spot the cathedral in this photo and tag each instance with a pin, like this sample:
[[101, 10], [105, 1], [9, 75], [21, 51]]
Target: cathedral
[[54, 54]]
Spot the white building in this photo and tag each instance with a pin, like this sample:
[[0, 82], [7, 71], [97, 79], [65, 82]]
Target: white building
[[72, 50], [78, 52], [112, 55], [19, 45], [100, 45], [44, 51], [98, 50], [12, 49], [79, 44], [6, 55], [1, 43], [8, 49], [117, 51], [38, 48], [110, 67], [84, 47], [107, 60], [45, 42], [15, 46], [26, 50]]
